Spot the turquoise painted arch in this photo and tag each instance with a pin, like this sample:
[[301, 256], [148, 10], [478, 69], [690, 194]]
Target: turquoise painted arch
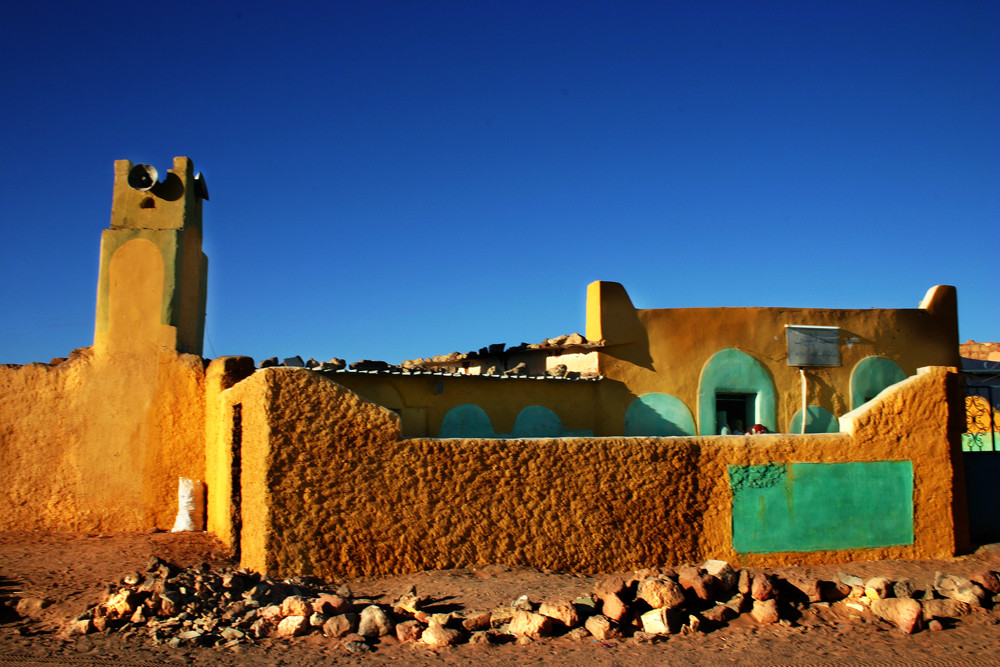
[[731, 371], [466, 421], [870, 376], [659, 415], [820, 420], [535, 421]]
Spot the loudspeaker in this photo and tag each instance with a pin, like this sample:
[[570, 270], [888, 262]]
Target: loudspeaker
[[142, 177]]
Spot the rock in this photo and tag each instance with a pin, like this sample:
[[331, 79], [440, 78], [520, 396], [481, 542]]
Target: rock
[[520, 369], [743, 583], [82, 626], [659, 593], [531, 624], [374, 622], [905, 613], [720, 613], [850, 580], [958, 588], [697, 581], [30, 607], [439, 619], [809, 588], [662, 621], [723, 572], [501, 615], [987, 580], [341, 625], [610, 585], [271, 613], [558, 371], [269, 362], [935, 625], [601, 627], [578, 634], [122, 604], [408, 602], [408, 632], [479, 637], [312, 363], [522, 604], [946, 608], [904, 588], [477, 623], [296, 605], [293, 362], [355, 646], [334, 364], [317, 620], [331, 604], [878, 587], [835, 591], [139, 617], [292, 626], [563, 613], [763, 587], [613, 607], [738, 603], [439, 635], [765, 611], [259, 629]]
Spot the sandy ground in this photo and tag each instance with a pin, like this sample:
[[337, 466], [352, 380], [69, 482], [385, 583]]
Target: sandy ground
[[72, 572]]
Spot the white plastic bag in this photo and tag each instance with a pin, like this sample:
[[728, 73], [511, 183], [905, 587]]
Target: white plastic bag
[[190, 505]]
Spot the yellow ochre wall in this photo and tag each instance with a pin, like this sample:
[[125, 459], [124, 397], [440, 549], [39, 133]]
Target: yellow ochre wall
[[97, 443], [423, 400], [664, 350], [330, 488]]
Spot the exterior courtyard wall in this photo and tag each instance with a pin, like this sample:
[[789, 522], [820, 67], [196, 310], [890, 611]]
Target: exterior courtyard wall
[[97, 443], [330, 488]]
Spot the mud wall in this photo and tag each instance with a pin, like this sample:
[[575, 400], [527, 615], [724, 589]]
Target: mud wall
[[669, 351], [98, 442], [330, 488]]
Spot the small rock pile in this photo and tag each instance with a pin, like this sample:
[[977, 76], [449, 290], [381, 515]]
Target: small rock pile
[[199, 606]]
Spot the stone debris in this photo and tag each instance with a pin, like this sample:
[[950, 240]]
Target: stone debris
[[198, 606]]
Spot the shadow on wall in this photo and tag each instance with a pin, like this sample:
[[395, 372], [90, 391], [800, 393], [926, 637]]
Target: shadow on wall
[[658, 415], [471, 421]]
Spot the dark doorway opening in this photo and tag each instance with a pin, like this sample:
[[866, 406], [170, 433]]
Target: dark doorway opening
[[737, 411], [236, 506]]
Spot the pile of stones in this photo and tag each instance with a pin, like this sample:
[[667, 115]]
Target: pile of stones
[[199, 606]]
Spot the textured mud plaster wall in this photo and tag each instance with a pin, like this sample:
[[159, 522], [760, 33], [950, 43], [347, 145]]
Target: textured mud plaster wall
[[97, 443], [329, 487], [664, 350]]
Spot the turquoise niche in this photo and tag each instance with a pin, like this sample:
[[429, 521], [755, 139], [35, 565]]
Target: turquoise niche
[[821, 506], [820, 420], [466, 421], [659, 415], [535, 421], [870, 376], [731, 371], [471, 421]]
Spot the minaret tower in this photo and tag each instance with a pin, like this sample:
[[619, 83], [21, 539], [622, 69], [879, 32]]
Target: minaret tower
[[152, 284]]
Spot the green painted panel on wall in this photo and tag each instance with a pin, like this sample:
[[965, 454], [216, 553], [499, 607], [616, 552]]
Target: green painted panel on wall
[[820, 506]]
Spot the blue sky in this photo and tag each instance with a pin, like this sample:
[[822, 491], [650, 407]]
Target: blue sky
[[392, 180]]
